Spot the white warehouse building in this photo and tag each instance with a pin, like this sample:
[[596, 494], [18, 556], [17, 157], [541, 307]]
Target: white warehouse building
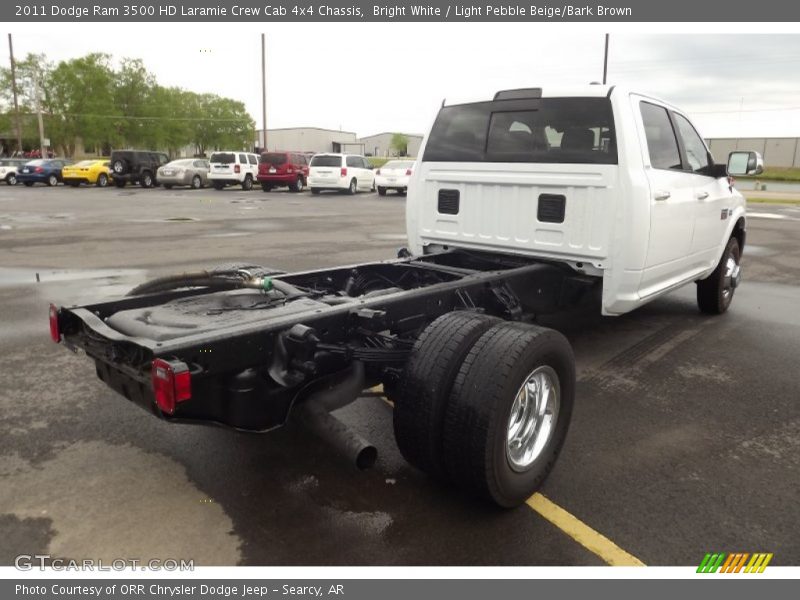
[[310, 139], [380, 144]]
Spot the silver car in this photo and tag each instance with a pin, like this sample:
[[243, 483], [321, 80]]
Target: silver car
[[185, 171]]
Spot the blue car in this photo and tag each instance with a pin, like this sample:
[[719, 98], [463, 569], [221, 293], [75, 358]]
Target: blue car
[[42, 170]]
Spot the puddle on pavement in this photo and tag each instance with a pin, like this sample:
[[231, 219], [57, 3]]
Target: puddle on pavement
[[753, 250], [389, 237], [74, 286]]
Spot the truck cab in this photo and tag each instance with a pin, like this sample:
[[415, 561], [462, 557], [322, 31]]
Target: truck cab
[[614, 183]]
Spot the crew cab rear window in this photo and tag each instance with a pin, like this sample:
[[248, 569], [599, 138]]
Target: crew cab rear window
[[326, 161], [662, 145], [547, 130], [226, 158]]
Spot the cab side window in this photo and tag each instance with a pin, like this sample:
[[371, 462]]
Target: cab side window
[[696, 151], [661, 141]]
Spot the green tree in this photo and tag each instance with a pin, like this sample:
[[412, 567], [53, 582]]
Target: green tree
[[399, 144], [133, 90], [82, 98]]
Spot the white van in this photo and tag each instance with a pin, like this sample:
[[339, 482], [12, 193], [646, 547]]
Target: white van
[[340, 172]]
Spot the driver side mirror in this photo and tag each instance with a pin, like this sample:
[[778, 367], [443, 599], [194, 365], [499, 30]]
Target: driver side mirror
[[745, 163]]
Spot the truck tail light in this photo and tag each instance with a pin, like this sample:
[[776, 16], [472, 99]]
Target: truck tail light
[[237, 169], [408, 171], [172, 383], [343, 172], [55, 330]]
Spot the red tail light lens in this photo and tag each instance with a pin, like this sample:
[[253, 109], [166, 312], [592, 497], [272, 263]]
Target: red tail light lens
[[55, 330], [343, 172], [408, 171], [237, 169], [172, 383], [39, 170], [378, 172]]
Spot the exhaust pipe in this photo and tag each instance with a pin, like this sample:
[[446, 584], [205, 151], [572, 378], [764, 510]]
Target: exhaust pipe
[[314, 413], [337, 434]]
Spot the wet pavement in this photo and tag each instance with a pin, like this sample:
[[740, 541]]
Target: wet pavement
[[685, 437]]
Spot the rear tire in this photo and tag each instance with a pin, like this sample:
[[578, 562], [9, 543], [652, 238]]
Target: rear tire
[[509, 411], [297, 185], [353, 187], [197, 182], [426, 385], [146, 180], [52, 181], [11, 179], [218, 185], [381, 191], [715, 292], [120, 167], [247, 184]]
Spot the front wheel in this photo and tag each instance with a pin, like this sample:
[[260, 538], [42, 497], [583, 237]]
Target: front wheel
[[197, 183], [715, 292], [146, 180], [509, 411], [102, 180], [11, 179]]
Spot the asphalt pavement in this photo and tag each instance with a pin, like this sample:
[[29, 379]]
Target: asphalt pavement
[[685, 437]]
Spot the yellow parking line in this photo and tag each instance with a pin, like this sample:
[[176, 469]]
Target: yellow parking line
[[579, 531]]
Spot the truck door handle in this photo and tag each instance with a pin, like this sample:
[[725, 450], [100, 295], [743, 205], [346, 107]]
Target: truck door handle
[[661, 195], [702, 195]]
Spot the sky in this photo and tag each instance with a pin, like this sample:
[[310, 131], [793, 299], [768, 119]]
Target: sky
[[375, 77]]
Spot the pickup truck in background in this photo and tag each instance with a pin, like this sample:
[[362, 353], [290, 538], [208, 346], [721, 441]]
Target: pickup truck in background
[[518, 206]]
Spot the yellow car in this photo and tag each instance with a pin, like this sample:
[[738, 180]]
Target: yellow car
[[97, 172]]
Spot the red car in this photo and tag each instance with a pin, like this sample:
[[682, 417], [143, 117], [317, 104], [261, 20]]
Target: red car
[[276, 169]]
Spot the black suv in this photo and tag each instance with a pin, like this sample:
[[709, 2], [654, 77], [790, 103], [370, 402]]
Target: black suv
[[136, 166]]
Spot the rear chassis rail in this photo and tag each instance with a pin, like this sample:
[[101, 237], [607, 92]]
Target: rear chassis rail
[[248, 376]]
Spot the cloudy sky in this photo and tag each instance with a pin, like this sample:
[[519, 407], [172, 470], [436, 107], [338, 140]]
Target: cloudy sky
[[372, 77]]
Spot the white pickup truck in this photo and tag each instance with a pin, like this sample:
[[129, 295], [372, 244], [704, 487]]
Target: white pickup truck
[[519, 206]]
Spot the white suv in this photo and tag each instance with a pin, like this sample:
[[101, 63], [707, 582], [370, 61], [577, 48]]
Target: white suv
[[232, 168], [350, 172]]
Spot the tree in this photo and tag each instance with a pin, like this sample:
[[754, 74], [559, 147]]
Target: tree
[[82, 96], [399, 144]]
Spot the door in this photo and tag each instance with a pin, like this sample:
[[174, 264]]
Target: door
[[369, 174], [712, 195], [672, 202]]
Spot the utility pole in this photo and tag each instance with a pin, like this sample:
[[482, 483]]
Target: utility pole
[[39, 113], [605, 62], [264, 89], [14, 92]]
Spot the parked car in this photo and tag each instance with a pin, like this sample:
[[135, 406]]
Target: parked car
[[277, 169], [394, 175], [42, 170], [136, 166], [95, 172], [9, 168], [233, 168], [185, 171], [341, 172]]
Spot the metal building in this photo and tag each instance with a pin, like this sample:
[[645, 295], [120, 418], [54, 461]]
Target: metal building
[[777, 152], [310, 139], [380, 144]]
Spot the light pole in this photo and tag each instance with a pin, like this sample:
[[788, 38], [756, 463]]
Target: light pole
[[605, 61]]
